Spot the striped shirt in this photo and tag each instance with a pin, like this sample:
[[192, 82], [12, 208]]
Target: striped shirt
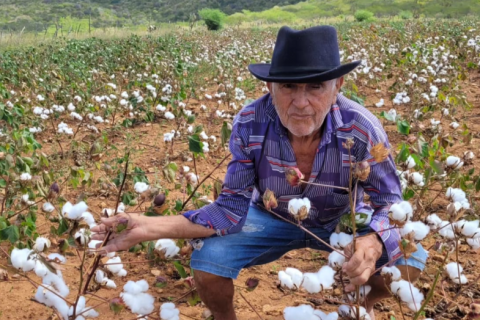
[[261, 151]]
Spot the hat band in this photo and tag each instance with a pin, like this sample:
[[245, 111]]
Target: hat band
[[280, 71]]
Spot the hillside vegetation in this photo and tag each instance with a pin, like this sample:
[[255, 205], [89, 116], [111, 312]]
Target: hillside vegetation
[[39, 15]]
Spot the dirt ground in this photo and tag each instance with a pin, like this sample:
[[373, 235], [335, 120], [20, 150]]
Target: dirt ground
[[267, 300]]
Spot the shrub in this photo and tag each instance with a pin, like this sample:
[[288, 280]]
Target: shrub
[[363, 15], [405, 15], [213, 18]]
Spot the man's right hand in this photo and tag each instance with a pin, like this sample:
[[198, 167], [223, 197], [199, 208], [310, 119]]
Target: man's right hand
[[134, 233]]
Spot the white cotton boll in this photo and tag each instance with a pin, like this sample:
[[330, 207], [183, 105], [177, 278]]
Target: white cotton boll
[[93, 244], [168, 246], [56, 256], [40, 269], [135, 288], [114, 265], [434, 221], [169, 115], [344, 239], [474, 243], [419, 228], [100, 276], [380, 103], [446, 230], [393, 113], [45, 295], [41, 243], [401, 211], [140, 187], [326, 275], [296, 275], [417, 179], [410, 162], [454, 162], [56, 280], [160, 108], [48, 207], [454, 125], [25, 176], [285, 280], [168, 311], [393, 271], [122, 273], [110, 284], [76, 211], [142, 303], [453, 270], [311, 282], [407, 292], [363, 313], [294, 205], [23, 259], [304, 312], [167, 137], [88, 218], [336, 260], [455, 194], [469, 229]]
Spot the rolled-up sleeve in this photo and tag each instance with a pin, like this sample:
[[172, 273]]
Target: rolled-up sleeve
[[228, 213]]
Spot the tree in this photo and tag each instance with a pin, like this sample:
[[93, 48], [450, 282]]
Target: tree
[[213, 18]]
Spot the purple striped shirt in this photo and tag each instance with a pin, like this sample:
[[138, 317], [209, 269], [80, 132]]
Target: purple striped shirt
[[261, 151]]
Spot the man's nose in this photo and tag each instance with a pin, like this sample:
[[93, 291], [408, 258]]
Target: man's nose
[[300, 98]]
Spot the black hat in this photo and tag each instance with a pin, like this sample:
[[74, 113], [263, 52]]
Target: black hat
[[304, 56]]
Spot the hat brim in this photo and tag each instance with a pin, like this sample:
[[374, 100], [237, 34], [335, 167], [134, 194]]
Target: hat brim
[[261, 71]]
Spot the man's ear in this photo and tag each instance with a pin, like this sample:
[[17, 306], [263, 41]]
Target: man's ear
[[339, 84], [269, 86]]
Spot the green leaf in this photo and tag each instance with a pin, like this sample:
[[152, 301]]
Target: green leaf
[[387, 116], [408, 194], [403, 154], [3, 183], [477, 184], [436, 165], [403, 127], [178, 205], [417, 160], [225, 133], [194, 144], [180, 269], [10, 233], [62, 227]]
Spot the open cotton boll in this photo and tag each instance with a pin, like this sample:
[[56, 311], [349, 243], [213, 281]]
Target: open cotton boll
[[401, 211], [23, 259], [82, 310], [446, 230], [408, 293], [394, 272], [136, 287], [48, 207], [47, 297], [140, 187], [455, 194], [469, 229], [363, 292], [56, 280], [115, 266], [142, 303], [83, 237], [410, 162], [296, 275], [453, 270], [311, 282], [419, 228], [41, 244], [76, 211], [88, 218], [66, 208], [340, 240], [326, 275], [434, 221], [286, 280], [168, 247], [454, 162], [363, 313], [304, 312], [474, 243], [168, 311], [336, 260]]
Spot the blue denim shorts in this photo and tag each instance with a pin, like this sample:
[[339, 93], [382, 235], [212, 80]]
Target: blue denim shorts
[[265, 238]]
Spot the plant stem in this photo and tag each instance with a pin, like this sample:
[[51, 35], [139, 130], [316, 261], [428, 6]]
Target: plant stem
[[203, 180], [322, 185], [241, 295], [80, 285]]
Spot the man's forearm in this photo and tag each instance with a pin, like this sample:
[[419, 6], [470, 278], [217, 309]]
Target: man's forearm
[[174, 227]]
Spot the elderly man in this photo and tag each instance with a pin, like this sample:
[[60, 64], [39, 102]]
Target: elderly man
[[303, 122]]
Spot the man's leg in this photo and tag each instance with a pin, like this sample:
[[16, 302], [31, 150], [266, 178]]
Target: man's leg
[[217, 293], [218, 260]]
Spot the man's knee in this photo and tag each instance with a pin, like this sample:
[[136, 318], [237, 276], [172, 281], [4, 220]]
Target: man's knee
[[409, 273]]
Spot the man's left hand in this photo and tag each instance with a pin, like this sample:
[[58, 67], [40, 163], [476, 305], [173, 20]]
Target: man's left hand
[[361, 264]]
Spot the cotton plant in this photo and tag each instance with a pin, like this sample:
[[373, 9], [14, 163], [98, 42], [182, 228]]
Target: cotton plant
[[74, 212], [115, 266], [168, 311], [291, 278], [350, 312], [102, 279], [167, 248], [82, 311], [306, 312]]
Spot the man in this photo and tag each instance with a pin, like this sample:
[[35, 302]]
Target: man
[[303, 122]]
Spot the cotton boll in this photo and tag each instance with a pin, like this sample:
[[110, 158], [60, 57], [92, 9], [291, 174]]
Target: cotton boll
[[394, 272], [121, 273], [336, 260], [447, 230], [169, 312], [474, 243], [326, 275], [88, 218], [66, 208], [286, 280], [41, 244], [434, 221], [48, 207], [344, 240], [469, 229], [407, 293], [296, 275], [453, 270], [136, 287], [304, 312], [56, 280], [56, 257], [114, 265], [45, 295], [401, 211], [140, 187], [110, 284], [380, 103], [83, 236], [142, 303], [454, 162], [76, 211], [419, 228], [410, 162], [40, 269], [93, 243], [311, 282], [417, 179], [168, 247], [23, 259], [100, 276]]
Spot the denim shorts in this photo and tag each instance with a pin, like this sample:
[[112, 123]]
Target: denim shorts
[[265, 238]]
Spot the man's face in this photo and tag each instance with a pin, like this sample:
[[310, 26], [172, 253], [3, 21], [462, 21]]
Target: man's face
[[302, 107]]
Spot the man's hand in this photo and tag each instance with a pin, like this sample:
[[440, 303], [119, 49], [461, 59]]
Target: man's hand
[[135, 231], [361, 265]]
